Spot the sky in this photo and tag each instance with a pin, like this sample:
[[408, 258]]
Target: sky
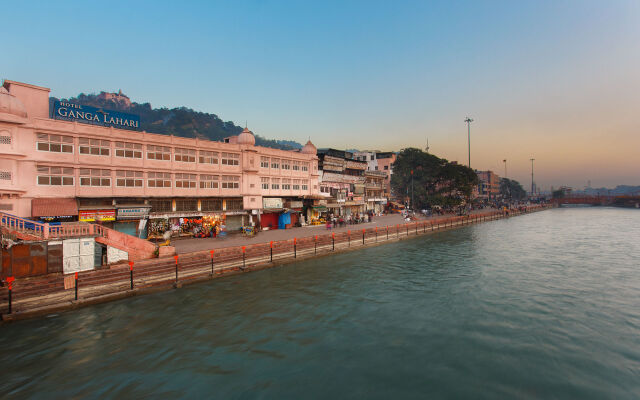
[[557, 81]]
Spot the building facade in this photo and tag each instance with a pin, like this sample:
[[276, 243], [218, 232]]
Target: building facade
[[381, 161], [488, 185], [58, 170]]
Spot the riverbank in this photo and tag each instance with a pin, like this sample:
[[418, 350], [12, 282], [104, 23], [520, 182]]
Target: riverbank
[[41, 296]]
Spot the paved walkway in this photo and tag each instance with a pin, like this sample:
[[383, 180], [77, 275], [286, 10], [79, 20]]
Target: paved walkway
[[194, 244]]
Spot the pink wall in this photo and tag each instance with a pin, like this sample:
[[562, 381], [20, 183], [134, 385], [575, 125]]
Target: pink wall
[[20, 158]]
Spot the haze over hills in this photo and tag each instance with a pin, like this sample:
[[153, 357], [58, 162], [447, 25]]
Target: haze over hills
[[179, 121]]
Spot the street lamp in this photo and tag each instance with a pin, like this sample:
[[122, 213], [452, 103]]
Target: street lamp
[[413, 207], [469, 121], [505, 168], [532, 160]]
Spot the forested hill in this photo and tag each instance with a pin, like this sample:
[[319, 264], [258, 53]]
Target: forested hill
[[179, 121]]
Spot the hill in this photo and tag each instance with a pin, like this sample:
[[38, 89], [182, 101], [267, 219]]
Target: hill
[[180, 121]]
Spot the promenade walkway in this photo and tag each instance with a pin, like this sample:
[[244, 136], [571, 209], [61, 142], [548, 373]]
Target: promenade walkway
[[190, 245]]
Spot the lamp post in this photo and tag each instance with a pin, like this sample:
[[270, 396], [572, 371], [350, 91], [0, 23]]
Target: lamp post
[[505, 168], [532, 160], [469, 121], [413, 207]]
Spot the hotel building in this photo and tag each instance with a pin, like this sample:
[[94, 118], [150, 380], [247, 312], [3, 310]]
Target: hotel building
[[65, 170]]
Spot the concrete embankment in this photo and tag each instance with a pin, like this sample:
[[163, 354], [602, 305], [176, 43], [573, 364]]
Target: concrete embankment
[[45, 295]]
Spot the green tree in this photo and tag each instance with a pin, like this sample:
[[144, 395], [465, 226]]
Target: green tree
[[511, 189], [436, 181]]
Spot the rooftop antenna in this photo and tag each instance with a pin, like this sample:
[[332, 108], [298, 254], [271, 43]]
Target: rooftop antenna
[[427, 148]]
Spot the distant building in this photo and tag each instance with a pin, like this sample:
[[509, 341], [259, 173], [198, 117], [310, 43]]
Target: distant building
[[488, 185], [119, 98], [379, 161]]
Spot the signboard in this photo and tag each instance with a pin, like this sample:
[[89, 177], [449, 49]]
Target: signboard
[[133, 212], [94, 116], [97, 215], [271, 202]]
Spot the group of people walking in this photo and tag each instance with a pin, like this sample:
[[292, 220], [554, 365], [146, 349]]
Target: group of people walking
[[341, 221]]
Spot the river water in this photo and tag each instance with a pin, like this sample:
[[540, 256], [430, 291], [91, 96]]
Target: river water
[[545, 305]]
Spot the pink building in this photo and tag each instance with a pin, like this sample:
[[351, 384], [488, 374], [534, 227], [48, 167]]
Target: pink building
[[57, 170]]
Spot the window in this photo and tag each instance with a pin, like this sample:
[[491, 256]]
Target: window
[[296, 165], [211, 204], [286, 184], [95, 177], [5, 175], [286, 164], [185, 155], [230, 159], [128, 150], [5, 139], [275, 183], [296, 184], [129, 178], [264, 162], [160, 205], [209, 181], [305, 166], [186, 181], [158, 179], [324, 189], [54, 143], [55, 176], [265, 183], [186, 205], [386, 167], [305, 185], [160, 153], [275, 163], [208, 157], [230, 182], [94, 147], [234, 204]]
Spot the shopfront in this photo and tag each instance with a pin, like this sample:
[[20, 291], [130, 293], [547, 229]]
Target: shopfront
[[54, 210], [132, 220]]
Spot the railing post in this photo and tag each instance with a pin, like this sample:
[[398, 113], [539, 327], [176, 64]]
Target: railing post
[[407, 225], [176, 259], [295, 251], [45, 231], [131, 273], [376, 234], [271, 249], [333, 241], [397, 231], [363, 230], [416, 229], [349, 238], [387, 232], [76, 285], [10, 280], [212, 270], [244, 262], [315, 245]]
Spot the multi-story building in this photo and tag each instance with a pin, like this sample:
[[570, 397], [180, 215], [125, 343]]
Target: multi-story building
[[488, 185], [379, 161], [79, 169], [342, 181]]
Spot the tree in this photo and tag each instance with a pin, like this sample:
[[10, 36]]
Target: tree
[[512, 189], [436, 181]]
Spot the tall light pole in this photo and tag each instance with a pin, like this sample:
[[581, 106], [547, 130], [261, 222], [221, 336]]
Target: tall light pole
[[505, 168], [532, 160], [469, 121], [413, 207]]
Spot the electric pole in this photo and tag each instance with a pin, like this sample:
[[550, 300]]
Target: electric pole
[[505, 168], [469, 121], [532, 160]]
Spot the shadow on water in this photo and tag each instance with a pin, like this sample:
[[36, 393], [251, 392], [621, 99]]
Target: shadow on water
[[543, 305]]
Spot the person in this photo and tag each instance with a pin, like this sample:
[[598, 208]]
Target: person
[[328, 224]]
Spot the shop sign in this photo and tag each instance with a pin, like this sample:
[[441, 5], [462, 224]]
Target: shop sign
[[96, 215], [94, 116], [357, 198], [294, 204], [271, 202], [133, 212]]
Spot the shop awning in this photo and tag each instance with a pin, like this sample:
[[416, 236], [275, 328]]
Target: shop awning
[[54, 207]]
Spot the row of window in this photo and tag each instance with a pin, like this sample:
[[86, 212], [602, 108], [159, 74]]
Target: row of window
[[96, 147], [165, 205], [287, 184], [276, 163], [60, 176]]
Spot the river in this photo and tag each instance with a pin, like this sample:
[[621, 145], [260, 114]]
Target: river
[[545, 305]]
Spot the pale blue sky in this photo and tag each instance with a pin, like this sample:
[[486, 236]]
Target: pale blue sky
[[556, 80]]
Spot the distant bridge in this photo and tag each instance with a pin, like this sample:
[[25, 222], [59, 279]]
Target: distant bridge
[[622, 201]]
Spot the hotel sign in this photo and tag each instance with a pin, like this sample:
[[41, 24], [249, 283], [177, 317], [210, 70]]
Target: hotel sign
[[94, 116]]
